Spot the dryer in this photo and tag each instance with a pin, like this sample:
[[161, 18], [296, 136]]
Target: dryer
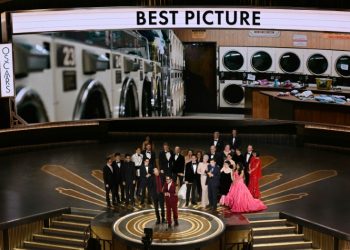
[[35, 95], [231, 94], [83, 78], [340, 63], [233, 59], [289, 60], [261, 59], [317, 62]]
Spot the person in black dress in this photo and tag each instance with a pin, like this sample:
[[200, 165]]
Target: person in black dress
[[225, 178]]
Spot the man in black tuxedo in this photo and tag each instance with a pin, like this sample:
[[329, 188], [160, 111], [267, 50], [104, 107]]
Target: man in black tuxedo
[[146, 171], [191, 180], [117, 165], [178, 166], [166, 160], [235, 140], [247, 157], [150, 154], [213, 181], [129, 179], [213, 154], [217, 142], [156, 187], [109, 180]]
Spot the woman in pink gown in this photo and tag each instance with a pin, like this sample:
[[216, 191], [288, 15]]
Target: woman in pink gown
[[255, 175], [239, 199]]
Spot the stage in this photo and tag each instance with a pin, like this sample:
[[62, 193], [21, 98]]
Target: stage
[[307, 182]]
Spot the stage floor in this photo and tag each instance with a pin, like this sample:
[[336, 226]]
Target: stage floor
[[307, 182]]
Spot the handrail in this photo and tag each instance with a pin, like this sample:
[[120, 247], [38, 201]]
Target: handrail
[[315, 226], [32, 218]]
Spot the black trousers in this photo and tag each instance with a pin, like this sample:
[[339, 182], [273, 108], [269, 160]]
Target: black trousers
[[110, 189], [213, 195], [129, 190], [181, 179], [191, 190], [120, 186], [144, 186], [158, 202]]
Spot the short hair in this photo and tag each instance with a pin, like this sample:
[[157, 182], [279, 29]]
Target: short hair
[[169, 176], [165, 144], [108, 158], [212, 159], [127, 155], [116, 154], [146, 159]]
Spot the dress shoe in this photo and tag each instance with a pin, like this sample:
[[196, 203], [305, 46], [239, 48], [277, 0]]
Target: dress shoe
[[163, 221], [186, 204], [169, 225], [176, 223], [157, 222]]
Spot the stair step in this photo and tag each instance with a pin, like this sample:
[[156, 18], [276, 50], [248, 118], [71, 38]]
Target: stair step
[[262, 216], [85, 211], [268, 222], [77, 218], [69, 225], [283, 245], [273, 230], [278, 238], [40, 245], [63, 233], [58, 240]]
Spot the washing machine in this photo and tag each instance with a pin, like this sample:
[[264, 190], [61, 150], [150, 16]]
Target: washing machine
[[83, 77], [126, 85], [231, 94], [289, 60], [34, 72], [233, 59], [261, 59], [317, 62], [340, 63]]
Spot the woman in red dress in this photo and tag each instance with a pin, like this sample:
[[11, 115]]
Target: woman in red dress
[[255, 175]]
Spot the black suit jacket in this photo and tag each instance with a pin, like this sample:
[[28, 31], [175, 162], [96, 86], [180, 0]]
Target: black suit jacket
[[153, 184], [143, 173], [237, 143], [118, 172], [128, 172], [179, 164], [219, 145], [215, 179], [165, 164], [190, 176], [239, 158], [246, 163], [218, 158], [152, 161], [108, 176]]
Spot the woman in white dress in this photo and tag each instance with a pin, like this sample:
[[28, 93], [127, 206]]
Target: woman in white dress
[[202, 170]]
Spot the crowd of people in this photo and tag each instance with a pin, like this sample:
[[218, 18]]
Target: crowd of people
[[224, 174]]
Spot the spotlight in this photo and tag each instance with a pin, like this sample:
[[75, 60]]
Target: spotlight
[[147, 237]]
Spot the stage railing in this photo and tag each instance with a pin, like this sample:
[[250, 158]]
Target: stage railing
[[13, 233], [322, 237]]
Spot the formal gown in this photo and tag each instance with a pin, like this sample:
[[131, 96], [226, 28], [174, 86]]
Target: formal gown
[[202, 168], [225, 182], [239, 199], [255, 175]]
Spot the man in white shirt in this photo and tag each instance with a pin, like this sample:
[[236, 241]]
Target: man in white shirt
[[137, 158]]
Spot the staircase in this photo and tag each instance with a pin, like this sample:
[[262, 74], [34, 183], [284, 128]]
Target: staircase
[[269, 232], [68, 231]]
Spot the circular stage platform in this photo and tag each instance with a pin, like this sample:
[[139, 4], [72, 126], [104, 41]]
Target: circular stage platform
[[196, 229]]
